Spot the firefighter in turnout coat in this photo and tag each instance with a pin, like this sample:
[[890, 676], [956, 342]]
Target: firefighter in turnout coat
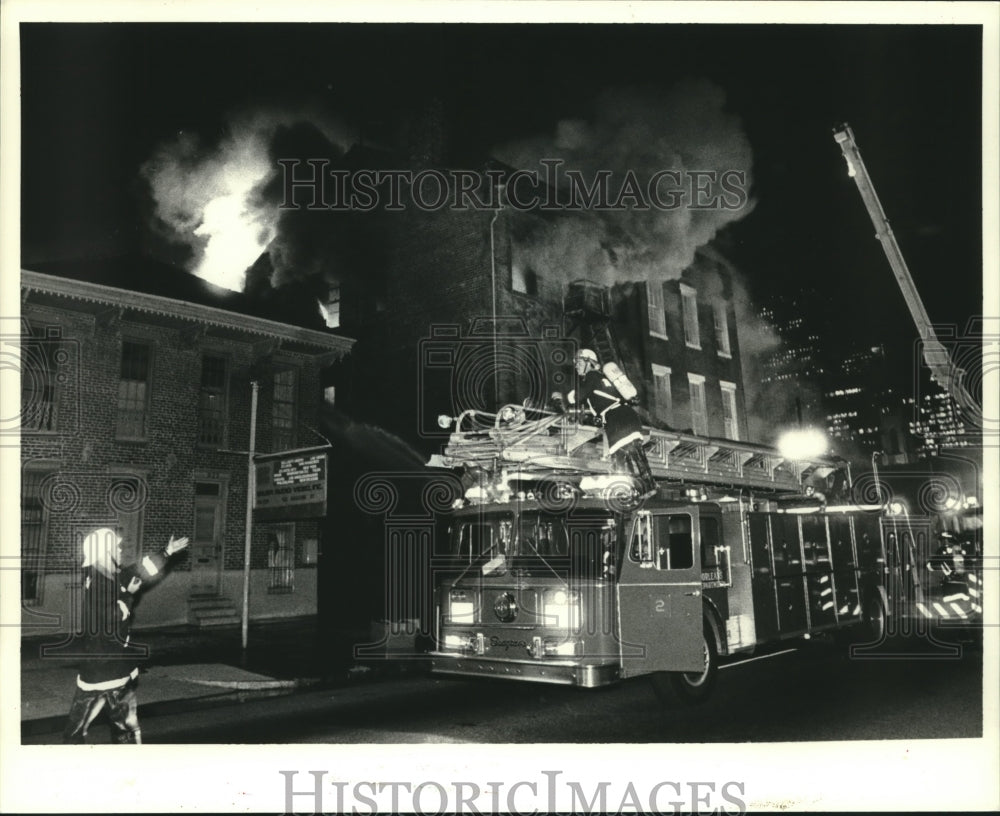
[[110, 670], [621, 424]]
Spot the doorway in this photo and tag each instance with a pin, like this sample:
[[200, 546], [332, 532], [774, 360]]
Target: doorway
[[206, 544]]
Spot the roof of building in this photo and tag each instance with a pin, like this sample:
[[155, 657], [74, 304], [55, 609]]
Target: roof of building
[[142, 285], [152, 277]]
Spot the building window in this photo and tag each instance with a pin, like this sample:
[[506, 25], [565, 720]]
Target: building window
[[331, 309], [524, 279], [662, 393], [41, 354], [133, 390], [212, 401], [699, 414], [283, 410], [689, 309], [730, 424], [281, 559], [34, 534], [722, 329], [656, 309]]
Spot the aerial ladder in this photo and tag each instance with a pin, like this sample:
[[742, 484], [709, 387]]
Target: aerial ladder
[[945, 372], [943, 369]]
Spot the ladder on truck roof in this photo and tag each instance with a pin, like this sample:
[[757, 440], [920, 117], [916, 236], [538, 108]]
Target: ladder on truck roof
[[543, 443]]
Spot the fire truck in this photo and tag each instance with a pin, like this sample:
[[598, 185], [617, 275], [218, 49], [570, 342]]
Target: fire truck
[[562, 576]]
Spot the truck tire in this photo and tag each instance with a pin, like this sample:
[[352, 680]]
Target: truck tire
[[874, 626], [690, 688]]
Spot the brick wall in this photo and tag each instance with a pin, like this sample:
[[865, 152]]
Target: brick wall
[[81, 462]]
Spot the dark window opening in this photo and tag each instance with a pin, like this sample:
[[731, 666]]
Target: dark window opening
[[676, 544]]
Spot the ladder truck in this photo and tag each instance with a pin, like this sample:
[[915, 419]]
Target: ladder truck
[[559, 575], [954, 595]]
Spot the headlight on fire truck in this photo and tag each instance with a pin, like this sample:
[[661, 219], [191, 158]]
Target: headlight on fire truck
[[555, 647], [461, 609], [561, 608], [461, 642], [466, 643]]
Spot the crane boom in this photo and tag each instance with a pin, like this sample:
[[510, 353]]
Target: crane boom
[[943, 369]]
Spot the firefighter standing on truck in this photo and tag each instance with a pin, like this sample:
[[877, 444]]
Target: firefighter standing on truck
[[621, 424]]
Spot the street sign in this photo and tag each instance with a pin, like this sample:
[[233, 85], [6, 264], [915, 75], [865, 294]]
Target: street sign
[[290, 485]]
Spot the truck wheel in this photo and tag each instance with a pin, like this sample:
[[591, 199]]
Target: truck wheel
[[875, 620], [690, 688]]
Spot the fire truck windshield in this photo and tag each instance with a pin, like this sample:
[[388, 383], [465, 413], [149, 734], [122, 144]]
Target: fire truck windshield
[[579, 544]]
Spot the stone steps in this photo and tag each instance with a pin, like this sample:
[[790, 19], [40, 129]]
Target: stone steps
[[212, 610]]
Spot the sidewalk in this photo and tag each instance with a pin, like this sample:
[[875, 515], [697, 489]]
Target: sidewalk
[[188, 667]]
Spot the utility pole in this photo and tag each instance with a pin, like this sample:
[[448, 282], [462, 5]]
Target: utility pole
[[251, 474]]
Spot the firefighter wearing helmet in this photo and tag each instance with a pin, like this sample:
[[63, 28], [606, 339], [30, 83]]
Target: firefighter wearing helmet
[[621, 424]]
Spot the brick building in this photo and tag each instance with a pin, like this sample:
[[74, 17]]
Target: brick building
[[136, 401], [427, 345]]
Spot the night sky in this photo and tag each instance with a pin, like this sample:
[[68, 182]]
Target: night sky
[[98, 99]]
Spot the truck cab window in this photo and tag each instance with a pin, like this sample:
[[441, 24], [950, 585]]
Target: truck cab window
[[710, 541], [675, 547]]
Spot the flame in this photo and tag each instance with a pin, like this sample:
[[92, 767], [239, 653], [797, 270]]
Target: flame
[[211, 198], [324, 312]]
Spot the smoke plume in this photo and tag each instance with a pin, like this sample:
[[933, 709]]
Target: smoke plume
[[683, 129]]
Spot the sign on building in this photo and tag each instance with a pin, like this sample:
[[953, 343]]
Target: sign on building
[[290, 485]]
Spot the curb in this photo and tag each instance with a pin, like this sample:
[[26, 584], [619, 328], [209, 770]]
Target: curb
[[55, 724], [238, 691], [256, 685]]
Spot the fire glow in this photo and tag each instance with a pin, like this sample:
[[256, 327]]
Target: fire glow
[[209, 199]]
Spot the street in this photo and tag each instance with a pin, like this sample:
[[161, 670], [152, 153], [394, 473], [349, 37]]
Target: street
[[811, 694]]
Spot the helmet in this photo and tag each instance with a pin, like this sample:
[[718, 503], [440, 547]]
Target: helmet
[[586, 354], [101, 550]]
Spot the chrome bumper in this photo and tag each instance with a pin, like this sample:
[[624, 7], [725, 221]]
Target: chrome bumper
[[559, 672]]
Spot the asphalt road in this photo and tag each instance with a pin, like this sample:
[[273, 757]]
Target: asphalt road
[[811, 694]]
